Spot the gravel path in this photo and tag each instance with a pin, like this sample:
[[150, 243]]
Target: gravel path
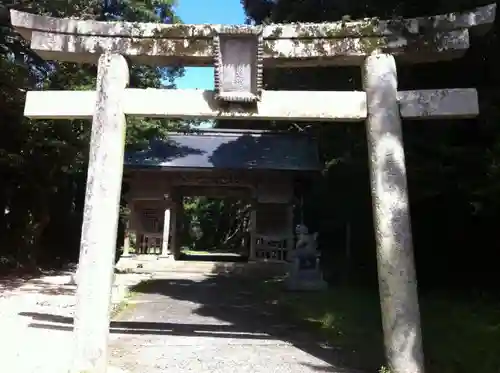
[[198, 324], [36, 316]]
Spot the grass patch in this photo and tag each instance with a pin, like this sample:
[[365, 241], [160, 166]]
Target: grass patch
[[461, 335], [458, 335], [349, 323], [124, 304], [195, 252]]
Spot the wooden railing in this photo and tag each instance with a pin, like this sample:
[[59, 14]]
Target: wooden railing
[[271, 248], [149, 243]]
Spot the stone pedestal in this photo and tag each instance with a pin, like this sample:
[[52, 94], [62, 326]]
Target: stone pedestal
[[304, 273]]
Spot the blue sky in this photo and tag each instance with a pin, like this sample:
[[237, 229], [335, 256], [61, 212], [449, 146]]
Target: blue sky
[[206, 11]]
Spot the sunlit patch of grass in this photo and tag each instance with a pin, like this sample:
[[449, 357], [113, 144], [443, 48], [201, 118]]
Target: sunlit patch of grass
[[458, 335], [196, 252], [349, 322], [124, 304]]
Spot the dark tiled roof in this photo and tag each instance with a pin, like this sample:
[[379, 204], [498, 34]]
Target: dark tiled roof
[[232, 149]]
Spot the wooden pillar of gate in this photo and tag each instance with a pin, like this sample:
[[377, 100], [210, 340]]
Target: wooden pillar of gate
[[167, 227], [127, 227], [175, 223], [253, 231], [126, 239]]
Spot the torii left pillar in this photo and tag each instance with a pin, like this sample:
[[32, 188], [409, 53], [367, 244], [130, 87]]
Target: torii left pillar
[[100, 219]]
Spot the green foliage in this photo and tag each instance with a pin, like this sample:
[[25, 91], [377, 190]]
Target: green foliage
[[43, 162], [212, 224], [452, 165], [460, 335], [384, 369], [452, 168]]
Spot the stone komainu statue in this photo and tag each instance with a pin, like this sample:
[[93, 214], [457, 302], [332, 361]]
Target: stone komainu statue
[[306, 243]]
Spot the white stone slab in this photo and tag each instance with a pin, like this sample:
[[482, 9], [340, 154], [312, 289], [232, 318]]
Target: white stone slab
[[275, 105]]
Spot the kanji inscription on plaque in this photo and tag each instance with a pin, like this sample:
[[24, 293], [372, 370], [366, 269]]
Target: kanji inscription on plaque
[[238, 64]]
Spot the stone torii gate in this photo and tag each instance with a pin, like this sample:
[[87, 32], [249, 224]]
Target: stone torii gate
[[239, 54]]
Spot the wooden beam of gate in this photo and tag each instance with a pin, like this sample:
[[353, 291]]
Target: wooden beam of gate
[[338, 43], [321, 106]]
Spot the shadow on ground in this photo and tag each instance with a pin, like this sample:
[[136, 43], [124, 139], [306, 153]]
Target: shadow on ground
[[236, 300], [10, 283], [233, 300], [42, 285]]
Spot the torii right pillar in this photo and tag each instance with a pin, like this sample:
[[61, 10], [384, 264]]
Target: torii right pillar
[[395, 258]]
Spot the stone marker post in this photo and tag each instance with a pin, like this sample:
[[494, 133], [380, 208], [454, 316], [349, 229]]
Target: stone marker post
[[100, 219], [396, 269]]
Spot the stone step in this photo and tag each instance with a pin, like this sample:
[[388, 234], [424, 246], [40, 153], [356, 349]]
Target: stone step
[[257, 269]]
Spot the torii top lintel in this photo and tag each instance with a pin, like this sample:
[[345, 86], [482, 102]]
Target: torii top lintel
[[301, 44]]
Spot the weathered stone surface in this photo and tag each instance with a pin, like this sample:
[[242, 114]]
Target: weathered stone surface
[[475, 19], [438, 103], [298, 105], [26, 22], [440, 37], [276, 52], [100, 219], [304, 272], [396, 269], [238, 66]]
